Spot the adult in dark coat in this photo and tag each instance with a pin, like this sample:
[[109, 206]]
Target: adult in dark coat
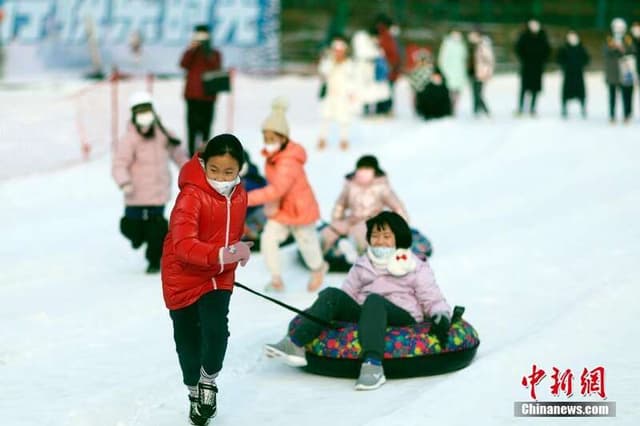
[[434, 100], [198, 59], [573, 58], [533, 52]]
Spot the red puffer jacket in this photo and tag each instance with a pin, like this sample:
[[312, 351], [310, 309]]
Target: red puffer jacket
[[202, 222], [196, 62]]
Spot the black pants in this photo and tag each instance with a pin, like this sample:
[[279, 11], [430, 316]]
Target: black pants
[[199, 119], [627, 96], [145, 224], [373, 317], [583, 106], [201, 332], [386, 106], [534, 96], [479, 105]]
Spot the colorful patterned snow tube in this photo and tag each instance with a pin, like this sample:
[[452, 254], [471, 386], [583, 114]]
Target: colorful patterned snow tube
[[410, 351]]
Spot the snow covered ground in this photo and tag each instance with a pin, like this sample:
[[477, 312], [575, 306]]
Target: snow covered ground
[[534, 224]]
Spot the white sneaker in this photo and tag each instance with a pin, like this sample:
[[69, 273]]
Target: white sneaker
[[287, 351], [349, 251], [371, 377]]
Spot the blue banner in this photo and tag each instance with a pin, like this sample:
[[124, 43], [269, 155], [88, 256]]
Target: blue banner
[[139, 35]]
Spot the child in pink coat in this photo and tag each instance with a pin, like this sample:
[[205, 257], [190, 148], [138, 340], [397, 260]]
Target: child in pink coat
[[140, 167], [366, 192], [387, 286]]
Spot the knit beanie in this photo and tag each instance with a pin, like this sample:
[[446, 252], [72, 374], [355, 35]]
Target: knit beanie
[[276, 121]]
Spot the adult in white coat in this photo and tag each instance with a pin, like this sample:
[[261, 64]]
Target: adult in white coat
[[340, 101], [452, 61], [369, 89]]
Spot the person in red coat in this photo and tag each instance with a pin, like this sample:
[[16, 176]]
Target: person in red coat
[[198, 59], [389, 45], [201, 252]]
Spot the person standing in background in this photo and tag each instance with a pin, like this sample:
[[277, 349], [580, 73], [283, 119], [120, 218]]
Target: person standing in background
[[452, 61], [533, 51], [340, 100], [620, 68], [198, 59], [635, 34], [371, 89], [386, 40], [573, 58], [481, 65]]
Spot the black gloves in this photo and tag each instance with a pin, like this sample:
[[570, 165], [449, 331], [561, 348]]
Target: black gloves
[[440, 327]]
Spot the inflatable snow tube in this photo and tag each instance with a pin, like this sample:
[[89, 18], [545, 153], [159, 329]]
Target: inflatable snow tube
[[410, 351], [420, 246]]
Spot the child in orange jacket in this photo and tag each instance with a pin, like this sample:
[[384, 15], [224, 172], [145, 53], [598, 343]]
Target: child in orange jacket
[[290, 204]]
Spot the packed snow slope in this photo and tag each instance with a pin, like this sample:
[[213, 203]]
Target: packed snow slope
[[534, 224]]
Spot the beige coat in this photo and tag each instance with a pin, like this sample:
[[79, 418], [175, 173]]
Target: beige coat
[[357, 203]]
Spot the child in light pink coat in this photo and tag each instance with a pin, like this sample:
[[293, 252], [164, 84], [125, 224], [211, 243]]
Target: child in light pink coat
[[140, 167], [388, 286], [366, 193]]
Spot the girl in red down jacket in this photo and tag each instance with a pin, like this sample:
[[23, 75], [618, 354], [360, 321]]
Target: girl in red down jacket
[[200, 255]]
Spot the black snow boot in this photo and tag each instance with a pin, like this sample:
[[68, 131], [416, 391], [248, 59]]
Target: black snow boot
[[132, 229], [195, 417], [207, 399], [153, 268]]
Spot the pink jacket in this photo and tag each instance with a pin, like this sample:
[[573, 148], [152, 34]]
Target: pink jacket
[[415, 292], [357, 203], [288, 188], [144, 163]]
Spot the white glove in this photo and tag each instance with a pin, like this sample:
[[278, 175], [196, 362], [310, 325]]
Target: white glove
[[438, 316], [348, 250], [401, 263], [127, 188]]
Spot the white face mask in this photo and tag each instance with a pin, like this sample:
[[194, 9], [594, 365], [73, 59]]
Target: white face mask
[[222, 187], [272, 147], [573, 39], [380, 255], [145, 119]]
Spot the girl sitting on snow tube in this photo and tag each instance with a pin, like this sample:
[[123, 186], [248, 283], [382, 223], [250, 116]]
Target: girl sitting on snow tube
[[366, 192], [341, 255], [388, 285]]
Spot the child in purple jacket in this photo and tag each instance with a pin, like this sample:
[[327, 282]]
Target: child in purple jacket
[[388, 286]]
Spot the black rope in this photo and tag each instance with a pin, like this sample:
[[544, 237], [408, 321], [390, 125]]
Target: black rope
[[291, 308]]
